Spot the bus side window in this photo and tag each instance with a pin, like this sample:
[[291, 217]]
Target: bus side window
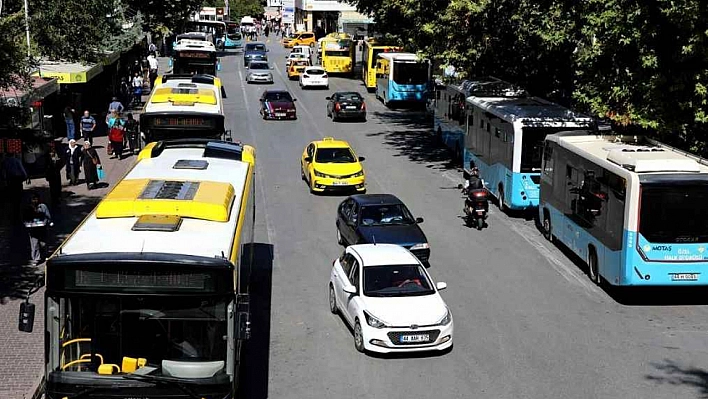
[[548, 161]]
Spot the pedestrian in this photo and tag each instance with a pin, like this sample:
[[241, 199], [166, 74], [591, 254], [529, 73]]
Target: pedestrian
[[73, 163], [132, 132], [91, 163], [37, 219], [116, 105], [154, 65], [69, 120], [136, 68], [53, 176], [15, 175], [152, 48], [267, 31], [88, 125], [137, 88], [115, 135]]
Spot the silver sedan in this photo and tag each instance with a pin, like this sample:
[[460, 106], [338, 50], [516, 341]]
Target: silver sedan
[[259, 72]]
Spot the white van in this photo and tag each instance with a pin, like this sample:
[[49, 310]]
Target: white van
[[303, 50]]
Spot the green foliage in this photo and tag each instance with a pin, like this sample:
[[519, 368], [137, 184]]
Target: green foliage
[[14, 70], [241, 8], [159, 14], [642, 63]]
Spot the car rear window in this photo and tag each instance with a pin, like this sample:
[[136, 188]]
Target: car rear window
[[350, 97], [279, 96], [315, 71], [258, 65]]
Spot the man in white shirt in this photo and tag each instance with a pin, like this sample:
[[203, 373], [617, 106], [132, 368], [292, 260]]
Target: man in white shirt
[[152, 61]]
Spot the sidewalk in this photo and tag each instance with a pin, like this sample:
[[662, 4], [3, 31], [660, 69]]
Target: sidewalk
[[22, 354]]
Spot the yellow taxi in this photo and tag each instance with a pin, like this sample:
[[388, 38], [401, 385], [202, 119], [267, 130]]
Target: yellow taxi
[[296, 67], [329, 164], [301, 39], [289, 38]]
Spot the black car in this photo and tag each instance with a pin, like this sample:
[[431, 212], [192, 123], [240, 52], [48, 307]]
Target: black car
[[254, 51], [346, 104], [380, 218], [277, 104]]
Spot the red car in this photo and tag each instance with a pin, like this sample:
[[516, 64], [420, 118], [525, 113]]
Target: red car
[[278, 104]]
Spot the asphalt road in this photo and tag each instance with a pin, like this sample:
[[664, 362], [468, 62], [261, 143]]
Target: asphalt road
[[528, 323]]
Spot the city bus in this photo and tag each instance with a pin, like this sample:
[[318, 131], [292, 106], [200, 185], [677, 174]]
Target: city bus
[[505, 129], [338, 54], [149, 296], [371, 51], [184, 106], [234, 37], [402, 77], [217, 31], [633, 209], [194, 57]]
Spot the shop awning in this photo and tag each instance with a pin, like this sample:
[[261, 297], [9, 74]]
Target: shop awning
[[41, 88], [68, 72], [353, 17]]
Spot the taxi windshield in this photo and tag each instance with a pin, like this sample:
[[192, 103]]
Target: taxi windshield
[[334, 155]]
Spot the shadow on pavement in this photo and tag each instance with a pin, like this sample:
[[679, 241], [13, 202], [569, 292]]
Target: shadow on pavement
[[16, 274], [256, 351], [676, 374], [415, 140]]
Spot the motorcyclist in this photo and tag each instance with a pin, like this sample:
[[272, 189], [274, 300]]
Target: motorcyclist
[[474, 182]]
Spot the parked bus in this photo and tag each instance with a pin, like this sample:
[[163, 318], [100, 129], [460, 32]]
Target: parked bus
[[217, 31], [338, 54], [194, 57], [184, 106], [370, 53], [633, 209], [402, 77], [157, 304], [505, 130]]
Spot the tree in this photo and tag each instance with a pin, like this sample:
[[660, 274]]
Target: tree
[[14, 70], [241, 8], [158, 14]]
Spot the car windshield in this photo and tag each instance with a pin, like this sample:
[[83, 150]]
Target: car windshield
[[396, 280], [381, 215], [349, 97], [255, 47], [315, 71], [278, 96], [334, 155], [258, 65]]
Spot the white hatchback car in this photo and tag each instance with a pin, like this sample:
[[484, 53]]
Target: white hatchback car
[[314, 76], [387, 296]]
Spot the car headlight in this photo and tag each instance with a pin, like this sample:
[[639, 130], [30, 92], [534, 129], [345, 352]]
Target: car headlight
[[447, 319], [423, 245], [318, 174], [373, 321], [359, 173]]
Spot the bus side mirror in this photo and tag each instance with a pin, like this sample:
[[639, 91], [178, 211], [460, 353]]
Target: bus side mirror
[[26, 317]]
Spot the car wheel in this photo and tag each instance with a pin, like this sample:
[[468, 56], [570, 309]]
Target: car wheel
[[358, 337], [310, 184], [332, 300], [302, 174]]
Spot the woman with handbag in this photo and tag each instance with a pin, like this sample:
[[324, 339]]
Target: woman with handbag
[[92, 165], [116, 129]]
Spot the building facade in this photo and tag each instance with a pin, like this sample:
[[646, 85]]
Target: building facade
[[328, 16]]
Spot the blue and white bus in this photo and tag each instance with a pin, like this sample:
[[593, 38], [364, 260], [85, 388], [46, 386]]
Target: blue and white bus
[[505, 141], [449, 110], [633, 209], [402, 77]]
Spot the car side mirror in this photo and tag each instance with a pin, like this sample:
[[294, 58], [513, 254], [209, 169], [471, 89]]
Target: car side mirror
[[308, 159], [362, 159], [419, 220], [271, 67], [328, 98], [441, 286], [349, 289], [294, 99]]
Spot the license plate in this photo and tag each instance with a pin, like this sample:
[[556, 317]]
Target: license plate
[[480, 212], [351, 107], [684, 277], [415, 338], [339, 183], [280, 114]]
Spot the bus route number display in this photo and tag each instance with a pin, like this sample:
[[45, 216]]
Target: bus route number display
[[193, 54], [184, 121], [140, 279]]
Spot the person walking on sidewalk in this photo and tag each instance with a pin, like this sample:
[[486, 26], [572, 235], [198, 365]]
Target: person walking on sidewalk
[[116, 127], [73, 163], [154, 65], [91, 163], [37, 219], [132, 131], [88, 125], [69, 120], [115, 105], [137, 89]]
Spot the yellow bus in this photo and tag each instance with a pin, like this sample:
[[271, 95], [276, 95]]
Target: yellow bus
[[338, 54], [371, 51], [151, 290]]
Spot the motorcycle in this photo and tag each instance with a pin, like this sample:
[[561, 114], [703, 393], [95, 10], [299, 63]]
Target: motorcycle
[[476, 206]]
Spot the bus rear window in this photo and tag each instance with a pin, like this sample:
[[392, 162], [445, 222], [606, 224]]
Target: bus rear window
[[410, 73], [675, 213]]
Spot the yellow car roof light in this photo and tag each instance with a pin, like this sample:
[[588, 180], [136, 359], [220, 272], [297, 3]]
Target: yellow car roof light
[[204, 200], [328, 138]]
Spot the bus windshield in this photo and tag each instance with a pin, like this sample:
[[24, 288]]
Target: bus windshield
[[152, 327], [674, 213], [410, 73]]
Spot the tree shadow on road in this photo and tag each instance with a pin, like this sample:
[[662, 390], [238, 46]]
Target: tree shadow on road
[[16, 273], [673, 373], [415, 140], [256, 351]]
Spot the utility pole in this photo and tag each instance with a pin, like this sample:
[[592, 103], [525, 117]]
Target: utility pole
[[27, 30]]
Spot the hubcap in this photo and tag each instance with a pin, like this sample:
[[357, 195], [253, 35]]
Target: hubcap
[[357, 336], [332, 303]]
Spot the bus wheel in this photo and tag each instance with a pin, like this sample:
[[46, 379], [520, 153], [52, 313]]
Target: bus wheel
[[593, 269], [547, 228], [500, 199]]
